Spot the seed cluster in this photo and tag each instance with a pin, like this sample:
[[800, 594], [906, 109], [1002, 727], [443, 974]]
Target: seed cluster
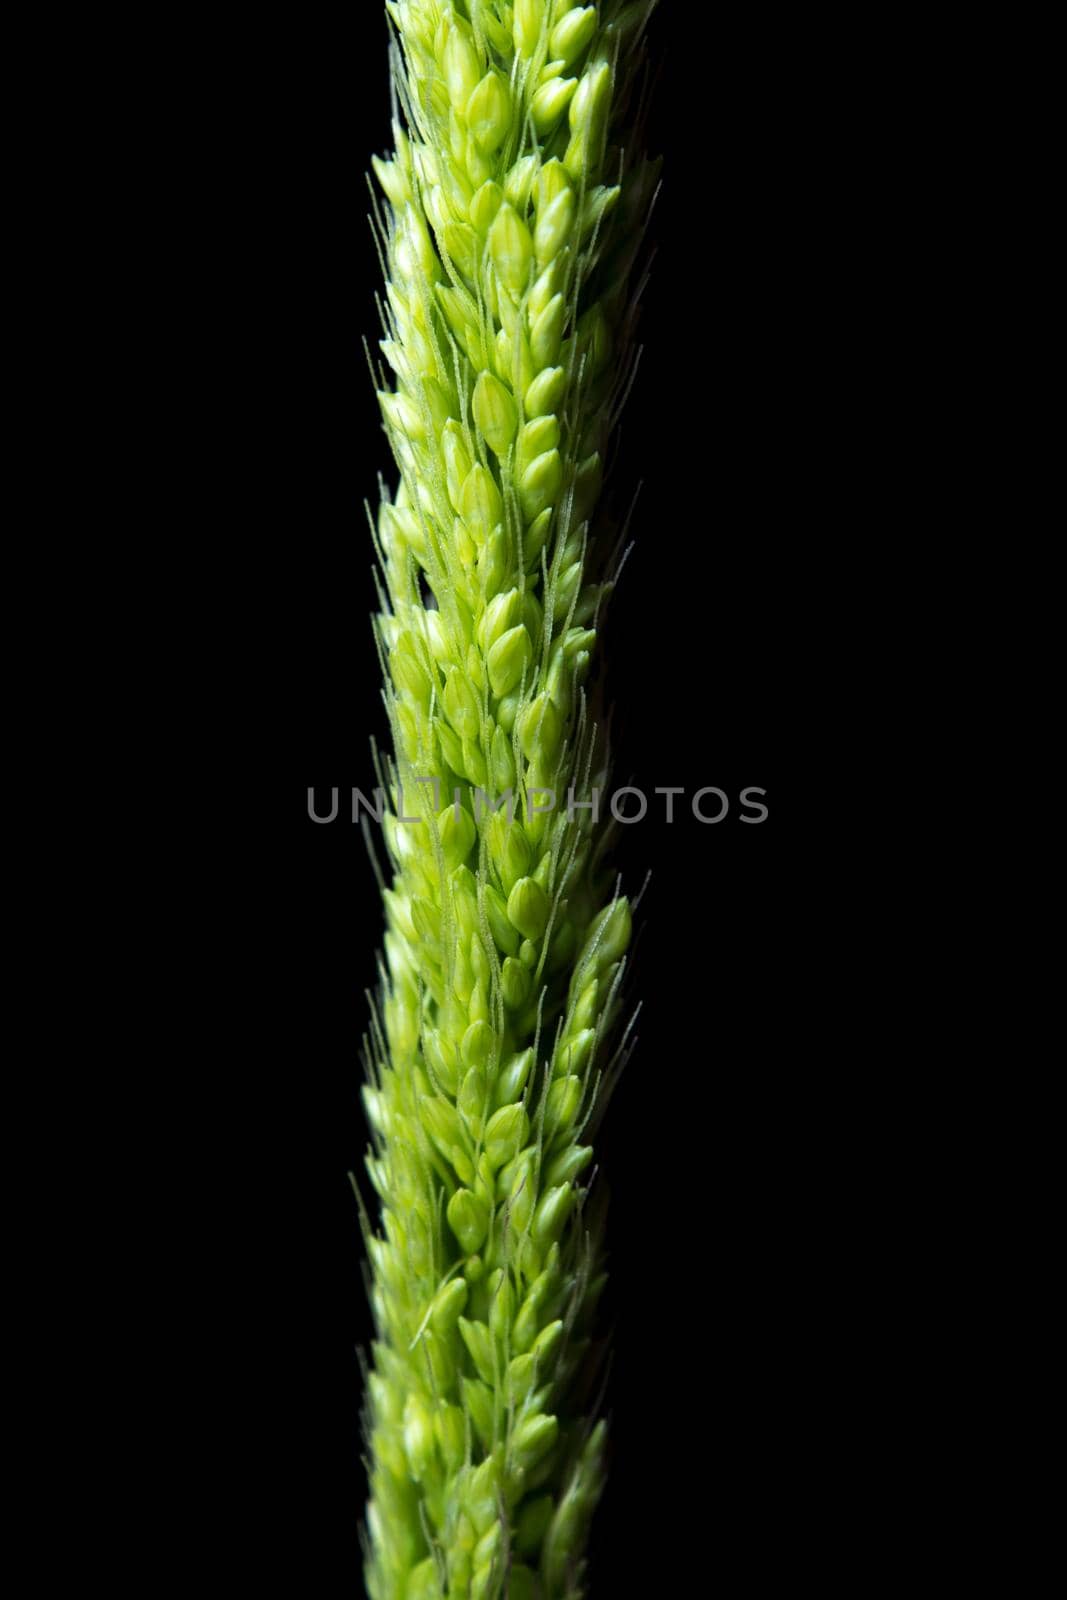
[[514, 220]]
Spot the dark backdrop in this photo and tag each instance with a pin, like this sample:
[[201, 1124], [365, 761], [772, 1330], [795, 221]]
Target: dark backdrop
[[728, 1244]]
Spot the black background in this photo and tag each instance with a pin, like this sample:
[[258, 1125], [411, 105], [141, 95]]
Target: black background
[[731, 1253]]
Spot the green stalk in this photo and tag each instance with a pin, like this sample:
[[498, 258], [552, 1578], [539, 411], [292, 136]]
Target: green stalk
[[516, 201]]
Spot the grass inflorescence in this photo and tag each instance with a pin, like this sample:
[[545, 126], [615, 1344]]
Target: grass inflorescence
[[511, 225]]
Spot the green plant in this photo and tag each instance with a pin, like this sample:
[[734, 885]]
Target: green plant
[[516, 206]]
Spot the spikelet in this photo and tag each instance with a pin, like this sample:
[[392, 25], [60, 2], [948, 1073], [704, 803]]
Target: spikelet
[[513, 216]]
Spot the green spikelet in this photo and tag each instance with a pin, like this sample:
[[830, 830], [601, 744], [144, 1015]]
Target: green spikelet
[[515, 208]]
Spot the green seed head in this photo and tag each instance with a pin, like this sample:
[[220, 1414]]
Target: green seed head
[[507, 317]]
